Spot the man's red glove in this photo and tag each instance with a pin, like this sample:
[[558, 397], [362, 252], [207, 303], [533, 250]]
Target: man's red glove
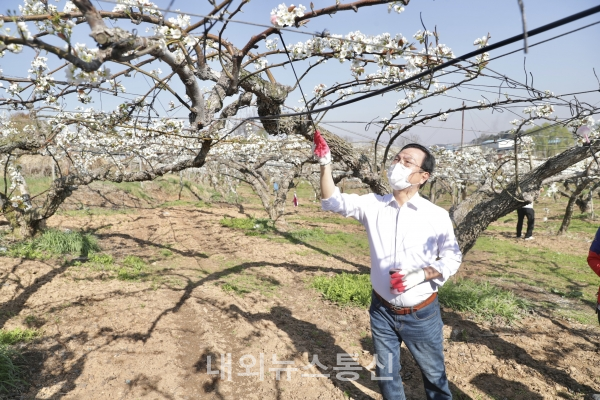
[[402, 281], [321, 149]]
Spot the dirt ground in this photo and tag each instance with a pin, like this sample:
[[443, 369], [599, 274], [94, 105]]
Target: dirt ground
[[173, 336]]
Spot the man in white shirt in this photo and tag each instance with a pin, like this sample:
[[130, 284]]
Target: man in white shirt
[[412, 235]]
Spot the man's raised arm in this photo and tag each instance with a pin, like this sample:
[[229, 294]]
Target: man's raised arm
[[323, 154]]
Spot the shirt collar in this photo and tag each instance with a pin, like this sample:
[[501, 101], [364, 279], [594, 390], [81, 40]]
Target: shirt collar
[[413, 203]]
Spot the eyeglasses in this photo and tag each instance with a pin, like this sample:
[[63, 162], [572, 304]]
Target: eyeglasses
[[407, 163]]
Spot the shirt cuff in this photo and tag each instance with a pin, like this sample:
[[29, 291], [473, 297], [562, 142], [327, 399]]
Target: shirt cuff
[[443, 268]]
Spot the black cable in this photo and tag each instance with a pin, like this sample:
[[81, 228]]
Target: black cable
[[547, 40], [456, 60], [297, 80]]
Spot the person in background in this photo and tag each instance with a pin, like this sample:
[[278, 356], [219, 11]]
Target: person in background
[[413, 252], [295, 201], [594, 263], [275, 187], [525, 211]]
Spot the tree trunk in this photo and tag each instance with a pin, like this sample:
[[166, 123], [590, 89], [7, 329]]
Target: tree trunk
[[485, 206], [571, 206]]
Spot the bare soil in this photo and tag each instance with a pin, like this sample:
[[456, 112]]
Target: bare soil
[[214, 292]]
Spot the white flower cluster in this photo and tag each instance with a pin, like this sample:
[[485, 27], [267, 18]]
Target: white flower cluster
[[396, 6], [88, 136], [13, 48], [542, 111], [43, 82], [14, 89], [552, 190], [253, 146], [286, 16], [421, 36], [481, 42], [343, 93], [271, 44], [77, 76], [143, 6], [175, 32], [58, 26], [260, 63], [16, 179], [470, 164]]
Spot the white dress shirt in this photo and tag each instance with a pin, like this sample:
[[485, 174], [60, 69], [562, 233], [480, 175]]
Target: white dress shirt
[[416, 235]]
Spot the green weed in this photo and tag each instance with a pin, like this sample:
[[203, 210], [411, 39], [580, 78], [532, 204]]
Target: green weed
[[27, 249], [305, 235], [482, 299], [102, 259], [345, 289], [59, 242], [54, 242], [133, 269], [330, 219], [10, 371], [564, 274], [166, 253], [95, 211], [245, 281], [251, 226], [13, 336]]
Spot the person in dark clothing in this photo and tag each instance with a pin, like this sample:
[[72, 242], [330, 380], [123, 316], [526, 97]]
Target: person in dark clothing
[[526, 211], [594, 263]]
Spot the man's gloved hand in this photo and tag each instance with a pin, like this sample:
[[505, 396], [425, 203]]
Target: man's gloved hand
[[321, 149], [401, 281]]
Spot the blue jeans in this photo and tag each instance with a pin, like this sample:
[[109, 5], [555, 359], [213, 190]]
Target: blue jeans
[[421, 331]]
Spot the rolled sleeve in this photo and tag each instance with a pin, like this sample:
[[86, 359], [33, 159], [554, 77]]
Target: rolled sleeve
[[449, 254], [334, 203], [348, 205]]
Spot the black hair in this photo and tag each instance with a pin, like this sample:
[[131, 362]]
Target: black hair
[[429, 160]]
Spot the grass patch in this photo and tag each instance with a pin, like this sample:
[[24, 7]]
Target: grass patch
[[251, 226], [133, 268], [330, 219], [133, 188], [95, 211], [10, 371], [308, 235], [337, 243], [13, 336], [334, 243], [564, 274], [345, 289], [583, 317], [59, 242], [245, 281], [482, 299], [175, 203], [54, 242]]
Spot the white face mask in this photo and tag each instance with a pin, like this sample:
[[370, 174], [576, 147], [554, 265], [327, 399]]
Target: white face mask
[[398, 176]]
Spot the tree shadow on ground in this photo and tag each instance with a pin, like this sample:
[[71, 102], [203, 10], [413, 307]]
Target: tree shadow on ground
[[149, 243], [289, 237], [499, 388], [508, 351], [16, 304], [307, 337]]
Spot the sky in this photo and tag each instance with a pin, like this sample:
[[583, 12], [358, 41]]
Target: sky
[[564, 65]]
